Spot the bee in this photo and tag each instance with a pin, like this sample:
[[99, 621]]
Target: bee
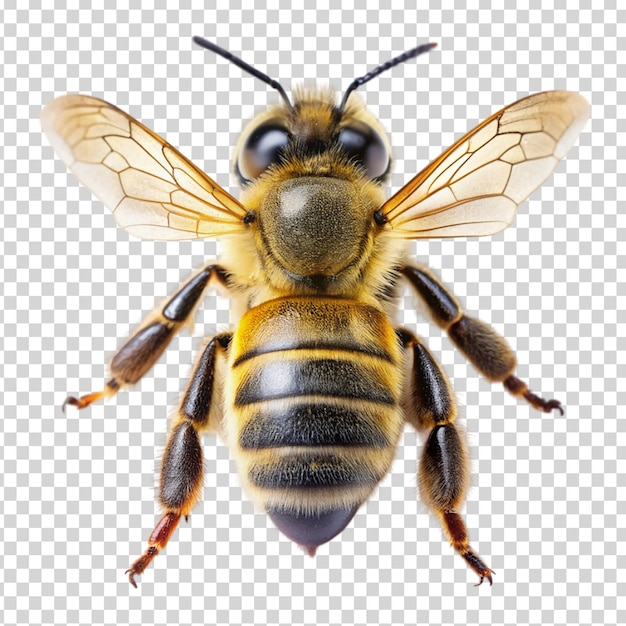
[[312, 388]]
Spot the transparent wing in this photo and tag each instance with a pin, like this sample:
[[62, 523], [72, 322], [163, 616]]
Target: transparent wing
[[153, 191], [475, 187]]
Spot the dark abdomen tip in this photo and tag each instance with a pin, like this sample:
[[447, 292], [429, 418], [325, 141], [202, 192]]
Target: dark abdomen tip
[[311, 530]]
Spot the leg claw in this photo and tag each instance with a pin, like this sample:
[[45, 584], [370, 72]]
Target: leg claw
[[140, 565], [487, 574], [519, 389]]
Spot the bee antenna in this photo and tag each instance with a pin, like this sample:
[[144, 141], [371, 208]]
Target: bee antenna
[[405, 56], [244, 66]]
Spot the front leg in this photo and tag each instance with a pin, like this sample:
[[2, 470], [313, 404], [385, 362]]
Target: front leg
[[488, 352], [182, 466], [149, 341]]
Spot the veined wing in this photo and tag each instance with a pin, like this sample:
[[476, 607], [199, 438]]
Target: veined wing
[[475, 187], [153, 191]]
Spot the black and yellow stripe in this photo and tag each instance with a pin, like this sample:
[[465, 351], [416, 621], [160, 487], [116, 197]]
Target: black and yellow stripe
[[315, 391]]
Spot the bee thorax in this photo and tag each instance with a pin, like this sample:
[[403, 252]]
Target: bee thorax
[[313, 226]]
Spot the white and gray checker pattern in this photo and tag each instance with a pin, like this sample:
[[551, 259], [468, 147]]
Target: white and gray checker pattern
[[547, 509]]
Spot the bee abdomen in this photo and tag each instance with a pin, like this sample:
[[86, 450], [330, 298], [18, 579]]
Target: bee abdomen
[[310, 471], [278, 424], [315, 400], [312, 374]]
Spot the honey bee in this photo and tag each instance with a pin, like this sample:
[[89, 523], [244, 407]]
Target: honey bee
[[312, 388]]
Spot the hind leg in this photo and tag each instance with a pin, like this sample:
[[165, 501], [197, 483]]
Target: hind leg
[[443, 479], [182, 466], [444, 467]]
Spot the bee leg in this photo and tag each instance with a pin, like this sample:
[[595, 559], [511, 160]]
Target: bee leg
[[443, 480], [150, 340], [158, 540], [182, 466], [488, 352], [444, 467]]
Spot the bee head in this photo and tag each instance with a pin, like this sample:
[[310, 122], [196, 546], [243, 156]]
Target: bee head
[[312, 174]]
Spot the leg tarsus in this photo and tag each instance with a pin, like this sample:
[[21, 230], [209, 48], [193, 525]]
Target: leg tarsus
[[456, 530], [488, 577], [111, 388], [83, 401], [476, 564], [158, 540], [140, 565], [520, 389]]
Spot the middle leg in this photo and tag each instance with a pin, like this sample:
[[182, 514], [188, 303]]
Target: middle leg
[[482, 345], [142, 350]]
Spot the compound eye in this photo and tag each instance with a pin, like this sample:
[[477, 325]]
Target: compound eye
[[366, 147], [262, 148]]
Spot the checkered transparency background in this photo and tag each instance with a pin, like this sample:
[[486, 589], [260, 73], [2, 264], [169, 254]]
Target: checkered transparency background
[[546, 509]]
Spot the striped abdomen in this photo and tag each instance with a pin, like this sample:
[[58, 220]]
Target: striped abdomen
[[314, 400]]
